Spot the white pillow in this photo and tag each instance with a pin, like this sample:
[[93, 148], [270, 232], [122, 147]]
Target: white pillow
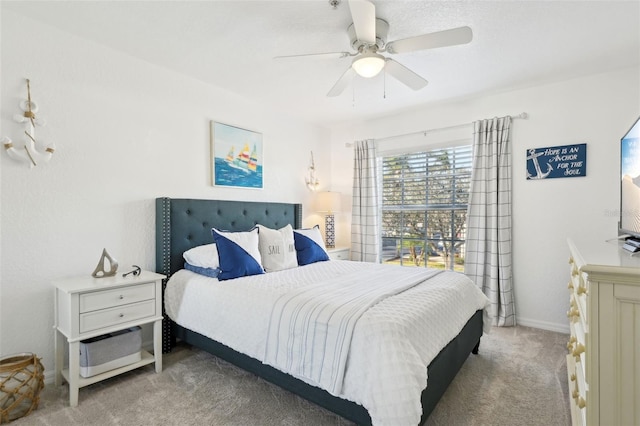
[[205, 256], [277, 248]]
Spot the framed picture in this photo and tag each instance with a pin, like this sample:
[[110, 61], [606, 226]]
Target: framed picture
[[236, 157]]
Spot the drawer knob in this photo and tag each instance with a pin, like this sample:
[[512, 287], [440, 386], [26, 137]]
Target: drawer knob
[[121, 315], [570, 343], [581, 402], [573, 313], [121, 297]]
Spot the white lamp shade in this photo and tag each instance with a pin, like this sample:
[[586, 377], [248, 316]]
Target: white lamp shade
[[368, 64], [328, 202]]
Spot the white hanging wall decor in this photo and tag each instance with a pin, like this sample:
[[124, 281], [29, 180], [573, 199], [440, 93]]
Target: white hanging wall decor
[[34, 151], [311, 180]]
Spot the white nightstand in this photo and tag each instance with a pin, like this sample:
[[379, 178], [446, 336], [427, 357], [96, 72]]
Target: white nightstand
[[86, 307], [339, 253]]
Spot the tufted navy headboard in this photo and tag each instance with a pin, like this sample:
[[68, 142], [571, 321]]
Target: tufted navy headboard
[[185, 223]]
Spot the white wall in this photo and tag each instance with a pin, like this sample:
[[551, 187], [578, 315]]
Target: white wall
[[126, 132], [596, 110]]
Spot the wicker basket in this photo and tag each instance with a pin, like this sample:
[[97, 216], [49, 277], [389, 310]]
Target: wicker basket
[[21, 380]]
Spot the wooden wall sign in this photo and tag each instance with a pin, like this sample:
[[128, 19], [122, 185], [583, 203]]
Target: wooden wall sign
[[557, 162]]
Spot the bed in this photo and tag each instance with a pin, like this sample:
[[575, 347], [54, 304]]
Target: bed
[[182, 224]]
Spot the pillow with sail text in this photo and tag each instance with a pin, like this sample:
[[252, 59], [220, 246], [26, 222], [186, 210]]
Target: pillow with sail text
[[277, 248], [309, 246], [238, 253]]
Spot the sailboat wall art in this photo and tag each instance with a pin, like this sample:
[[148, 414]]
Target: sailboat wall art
[[236, 157]]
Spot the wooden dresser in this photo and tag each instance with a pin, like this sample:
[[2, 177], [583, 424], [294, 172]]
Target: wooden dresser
[[603, 364]]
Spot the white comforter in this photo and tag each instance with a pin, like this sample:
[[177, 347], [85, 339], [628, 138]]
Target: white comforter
[[393, 342]]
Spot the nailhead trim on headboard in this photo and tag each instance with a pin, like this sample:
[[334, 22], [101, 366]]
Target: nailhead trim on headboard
[[163, 250]]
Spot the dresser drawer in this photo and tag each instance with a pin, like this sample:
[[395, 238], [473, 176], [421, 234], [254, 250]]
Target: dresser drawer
[[95, 320], [96, 300]]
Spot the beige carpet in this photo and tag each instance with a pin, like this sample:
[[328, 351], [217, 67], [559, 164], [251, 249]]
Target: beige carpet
[[519, 378]]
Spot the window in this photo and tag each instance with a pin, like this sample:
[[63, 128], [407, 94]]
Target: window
[[424, 207]]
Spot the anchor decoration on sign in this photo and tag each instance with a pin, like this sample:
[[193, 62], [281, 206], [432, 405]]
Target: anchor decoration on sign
[[533, 156], [34, 151]]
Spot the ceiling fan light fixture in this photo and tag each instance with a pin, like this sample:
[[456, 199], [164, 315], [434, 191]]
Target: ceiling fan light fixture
[[368, 64]]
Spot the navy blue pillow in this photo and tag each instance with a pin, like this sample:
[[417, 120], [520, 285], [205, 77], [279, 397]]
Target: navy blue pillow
[[309, 246], [207, 272], [238, 253]]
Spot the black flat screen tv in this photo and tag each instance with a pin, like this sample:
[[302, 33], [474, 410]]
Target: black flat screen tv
[[630, 183]]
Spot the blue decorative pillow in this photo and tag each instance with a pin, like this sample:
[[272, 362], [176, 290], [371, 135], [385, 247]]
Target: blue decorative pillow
[[309, 246], [207, 272], [238, 253]]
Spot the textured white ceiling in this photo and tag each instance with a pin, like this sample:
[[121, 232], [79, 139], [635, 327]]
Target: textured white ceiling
[[231, 44]]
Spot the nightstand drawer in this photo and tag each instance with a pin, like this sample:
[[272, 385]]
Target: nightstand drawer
[[120, 296], [339, 254], [110, 317]]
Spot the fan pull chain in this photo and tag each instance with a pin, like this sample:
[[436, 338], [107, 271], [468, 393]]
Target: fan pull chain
[[384, 85]]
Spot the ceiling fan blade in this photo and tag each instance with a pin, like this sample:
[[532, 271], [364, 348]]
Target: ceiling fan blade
[[444, 38], [333, 54], [404, 75], [342, 83], [363, 14]]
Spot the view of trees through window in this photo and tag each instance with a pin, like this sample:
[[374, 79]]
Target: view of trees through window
[[424, 207]]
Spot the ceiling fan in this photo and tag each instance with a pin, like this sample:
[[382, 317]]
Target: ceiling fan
[[368, 36]]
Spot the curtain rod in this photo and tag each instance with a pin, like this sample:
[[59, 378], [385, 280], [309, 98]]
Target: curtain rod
[[522, 115]]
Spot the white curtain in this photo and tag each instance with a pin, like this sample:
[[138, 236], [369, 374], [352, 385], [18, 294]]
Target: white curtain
[[488, 246], [365, 224]]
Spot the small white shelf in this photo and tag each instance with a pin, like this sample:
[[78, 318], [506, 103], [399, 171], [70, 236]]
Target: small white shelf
[[147, 358]]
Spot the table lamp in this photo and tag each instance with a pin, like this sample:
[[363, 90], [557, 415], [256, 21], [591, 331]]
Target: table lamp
[[328, 203]]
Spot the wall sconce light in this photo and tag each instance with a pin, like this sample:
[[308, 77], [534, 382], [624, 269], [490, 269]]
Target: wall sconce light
[[30, 154], [329, 203], [311, 179]]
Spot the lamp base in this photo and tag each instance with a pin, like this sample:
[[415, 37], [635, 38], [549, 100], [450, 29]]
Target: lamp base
[[330, 231]]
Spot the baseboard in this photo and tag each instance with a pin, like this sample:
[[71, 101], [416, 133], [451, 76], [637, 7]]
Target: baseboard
[[544, 325]]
